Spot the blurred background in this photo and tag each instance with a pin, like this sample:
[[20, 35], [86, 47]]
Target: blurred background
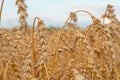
[[55, 12]]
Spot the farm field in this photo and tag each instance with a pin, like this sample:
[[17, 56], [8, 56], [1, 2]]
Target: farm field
[[69, 53]]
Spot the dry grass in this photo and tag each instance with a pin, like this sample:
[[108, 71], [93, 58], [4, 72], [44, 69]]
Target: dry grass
[[67, 54]]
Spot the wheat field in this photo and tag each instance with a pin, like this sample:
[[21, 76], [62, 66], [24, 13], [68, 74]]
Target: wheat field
[[69, 53]]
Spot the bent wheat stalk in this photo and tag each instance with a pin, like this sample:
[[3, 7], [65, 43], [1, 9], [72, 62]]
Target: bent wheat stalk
[[74, 15], [34, 61]]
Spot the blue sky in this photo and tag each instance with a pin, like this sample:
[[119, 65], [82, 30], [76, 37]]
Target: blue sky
[[55, 12]]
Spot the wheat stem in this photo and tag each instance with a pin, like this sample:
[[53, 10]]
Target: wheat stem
[[5, 72], [1, 9], [46, 71]]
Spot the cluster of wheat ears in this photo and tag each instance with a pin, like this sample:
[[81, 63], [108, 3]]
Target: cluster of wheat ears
[[68, 54]]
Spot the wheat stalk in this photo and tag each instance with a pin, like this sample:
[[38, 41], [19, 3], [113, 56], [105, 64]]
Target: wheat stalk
[[1, 7]]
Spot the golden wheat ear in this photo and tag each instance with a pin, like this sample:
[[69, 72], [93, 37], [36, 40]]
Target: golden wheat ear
[[1, 9], [22, 11]]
